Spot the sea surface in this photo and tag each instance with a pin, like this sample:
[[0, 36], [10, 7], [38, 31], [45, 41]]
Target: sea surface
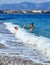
[[39, 37], [41, 22]]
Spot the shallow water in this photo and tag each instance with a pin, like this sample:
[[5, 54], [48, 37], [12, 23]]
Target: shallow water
[[41, 22]]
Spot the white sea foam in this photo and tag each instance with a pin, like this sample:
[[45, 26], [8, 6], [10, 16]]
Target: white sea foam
[[42, 43]]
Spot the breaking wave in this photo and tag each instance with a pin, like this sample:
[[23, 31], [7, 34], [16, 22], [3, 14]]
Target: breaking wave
[[42, 43]]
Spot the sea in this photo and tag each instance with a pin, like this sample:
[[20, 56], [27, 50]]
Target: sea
[[38, 38]]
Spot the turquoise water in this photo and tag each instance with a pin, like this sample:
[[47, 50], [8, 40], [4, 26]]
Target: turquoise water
[[41, 22]]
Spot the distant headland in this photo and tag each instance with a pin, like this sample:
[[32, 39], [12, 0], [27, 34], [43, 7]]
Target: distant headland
[[27, 7]]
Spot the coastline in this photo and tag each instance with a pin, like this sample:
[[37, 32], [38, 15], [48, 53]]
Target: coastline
[[24, 12], [13, 60], [9, 57]]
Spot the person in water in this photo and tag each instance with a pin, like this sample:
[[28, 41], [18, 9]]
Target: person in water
[[24, 26], [31, 26], [16, 28]]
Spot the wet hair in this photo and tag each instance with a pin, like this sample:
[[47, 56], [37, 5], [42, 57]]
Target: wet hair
[[32, 23]]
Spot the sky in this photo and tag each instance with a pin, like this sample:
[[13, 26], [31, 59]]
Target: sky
[[18, 1]]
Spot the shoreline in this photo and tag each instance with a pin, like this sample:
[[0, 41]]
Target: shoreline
[[22, 55], [24, 12], [7, 60]]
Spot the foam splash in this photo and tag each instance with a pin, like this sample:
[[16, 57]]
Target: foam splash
[[42, 43]]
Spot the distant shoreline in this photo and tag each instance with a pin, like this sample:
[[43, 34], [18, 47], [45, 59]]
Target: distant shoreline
[[23, 12]]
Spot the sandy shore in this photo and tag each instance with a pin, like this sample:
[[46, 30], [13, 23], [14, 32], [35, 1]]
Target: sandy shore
[[6, 60]]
